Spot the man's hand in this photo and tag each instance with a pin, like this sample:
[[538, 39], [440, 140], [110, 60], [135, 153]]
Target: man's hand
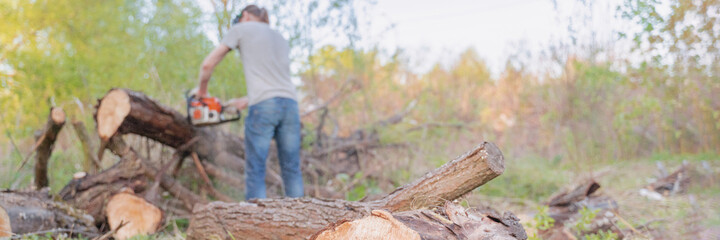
[[239, 103], [195, 92]]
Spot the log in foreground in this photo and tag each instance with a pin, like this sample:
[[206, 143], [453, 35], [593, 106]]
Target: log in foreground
[[45, 143], [34, 212], [5, 228], [300, 218], [136, 214], [125, 111], [448, 222]]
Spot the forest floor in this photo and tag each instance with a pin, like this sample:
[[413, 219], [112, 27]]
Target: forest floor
[[526, 185]]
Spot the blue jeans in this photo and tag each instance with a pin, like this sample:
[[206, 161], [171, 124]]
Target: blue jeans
[[276, 118]]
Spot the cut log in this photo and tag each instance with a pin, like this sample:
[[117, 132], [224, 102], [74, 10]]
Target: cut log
[[136, 214], [300, 218], [450, 222], [34, 212], [126, 111], [45, 143], [91, 192]]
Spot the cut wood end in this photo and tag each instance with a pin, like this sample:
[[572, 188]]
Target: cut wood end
[[79, 175], [379, 225], [5, 227], [494, 157], [138, 215], [57, 115], [111, 113]]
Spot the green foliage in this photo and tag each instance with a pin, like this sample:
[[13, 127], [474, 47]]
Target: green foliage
[[63, 56], [180, 223], [543, 219], [360, 187], [586, 217], [602, 235]]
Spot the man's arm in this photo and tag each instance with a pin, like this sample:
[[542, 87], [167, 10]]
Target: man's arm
[[208, 65]]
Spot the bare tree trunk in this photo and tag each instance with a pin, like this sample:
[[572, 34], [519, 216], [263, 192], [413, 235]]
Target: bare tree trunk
[[300, 218], [35, 212], [45, 143], [91, 163]]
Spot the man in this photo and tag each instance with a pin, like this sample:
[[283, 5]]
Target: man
[[272, 98]]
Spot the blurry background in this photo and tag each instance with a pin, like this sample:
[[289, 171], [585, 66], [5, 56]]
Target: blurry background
[[568, 89]]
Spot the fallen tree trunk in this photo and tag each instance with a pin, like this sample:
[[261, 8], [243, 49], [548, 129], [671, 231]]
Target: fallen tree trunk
[[45, 143], [125, 111], [36, 212], [449, 222], [300, 218]]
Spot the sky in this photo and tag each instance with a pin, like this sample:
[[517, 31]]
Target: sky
[[430, 32], [442, 29], [437, 31]]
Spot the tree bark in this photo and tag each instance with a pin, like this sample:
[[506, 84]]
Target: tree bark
[[125, 111], [449, 182], [45, 144], [300, 218], [34, 212]]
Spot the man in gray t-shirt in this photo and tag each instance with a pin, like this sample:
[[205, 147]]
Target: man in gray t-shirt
[[273, 112]]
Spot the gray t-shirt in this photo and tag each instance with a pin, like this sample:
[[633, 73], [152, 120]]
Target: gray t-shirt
[[265, 57]]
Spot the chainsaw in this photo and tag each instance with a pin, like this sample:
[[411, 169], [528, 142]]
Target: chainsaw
[[209, 111]]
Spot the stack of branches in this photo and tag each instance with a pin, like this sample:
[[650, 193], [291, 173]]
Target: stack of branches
[[127, 198], [330, 154]]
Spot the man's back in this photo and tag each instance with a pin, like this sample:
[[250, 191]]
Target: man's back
[[265, 58]]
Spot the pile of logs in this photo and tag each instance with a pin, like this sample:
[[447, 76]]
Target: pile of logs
[[125, 199], [565, 208]]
